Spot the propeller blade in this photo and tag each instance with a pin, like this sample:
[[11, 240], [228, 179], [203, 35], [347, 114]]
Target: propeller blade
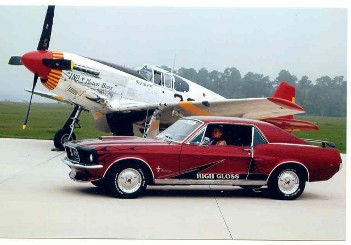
[[30, 101], [61, 64], [47, 28], [15, 60]]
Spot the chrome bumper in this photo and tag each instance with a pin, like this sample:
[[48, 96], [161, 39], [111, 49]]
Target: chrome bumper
[[78, 165]]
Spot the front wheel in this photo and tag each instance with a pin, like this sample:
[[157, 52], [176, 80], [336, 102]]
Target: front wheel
[[99, 183], [286, 184], [61, 137], [127, 182]]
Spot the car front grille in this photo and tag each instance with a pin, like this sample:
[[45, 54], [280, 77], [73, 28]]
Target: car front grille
[[72, 154]]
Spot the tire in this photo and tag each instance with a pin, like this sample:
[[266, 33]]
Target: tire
[[99, 183], [127, 181], [61, 137], [286, 184]]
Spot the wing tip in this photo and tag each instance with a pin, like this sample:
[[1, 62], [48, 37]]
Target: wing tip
[[286, 104]]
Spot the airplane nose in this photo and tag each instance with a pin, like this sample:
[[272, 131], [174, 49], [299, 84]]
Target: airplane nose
[[34, 62]]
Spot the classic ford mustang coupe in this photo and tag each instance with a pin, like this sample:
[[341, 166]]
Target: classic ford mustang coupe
[[204, 151]]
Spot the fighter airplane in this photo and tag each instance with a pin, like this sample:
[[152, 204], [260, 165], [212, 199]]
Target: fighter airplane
[[148, 96]]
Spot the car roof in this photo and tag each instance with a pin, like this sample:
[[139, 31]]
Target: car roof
[[272, 133]]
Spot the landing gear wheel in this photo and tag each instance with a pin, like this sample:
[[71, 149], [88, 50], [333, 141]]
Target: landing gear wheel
[[127, 182], [61, 137], [286, 184]]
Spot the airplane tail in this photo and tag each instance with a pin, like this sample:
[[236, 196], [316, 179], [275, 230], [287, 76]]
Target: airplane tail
[[287, 92]]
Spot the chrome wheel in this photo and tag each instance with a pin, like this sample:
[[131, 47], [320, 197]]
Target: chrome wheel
[[288, 182], [129, 180]]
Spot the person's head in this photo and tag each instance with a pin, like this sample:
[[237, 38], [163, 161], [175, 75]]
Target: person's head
[[217, 132]]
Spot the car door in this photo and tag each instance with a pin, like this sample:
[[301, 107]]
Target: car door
[[212, 162]]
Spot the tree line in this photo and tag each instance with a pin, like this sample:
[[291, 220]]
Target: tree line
[[325, 96]]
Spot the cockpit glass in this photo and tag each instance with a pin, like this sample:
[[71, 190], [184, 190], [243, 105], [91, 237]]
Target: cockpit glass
[[168, 81], [146, 73]]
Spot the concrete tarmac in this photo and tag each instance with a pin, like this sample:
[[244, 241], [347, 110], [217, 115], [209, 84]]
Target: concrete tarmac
[[38, 200]]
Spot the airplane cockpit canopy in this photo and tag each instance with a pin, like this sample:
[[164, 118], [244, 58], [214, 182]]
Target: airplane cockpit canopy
[[163, 78]]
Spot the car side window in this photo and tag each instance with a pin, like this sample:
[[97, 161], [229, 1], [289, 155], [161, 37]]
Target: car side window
[[258, 138], [197, 140]]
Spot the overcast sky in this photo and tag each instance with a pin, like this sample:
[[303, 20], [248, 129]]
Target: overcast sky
[[304, 41]]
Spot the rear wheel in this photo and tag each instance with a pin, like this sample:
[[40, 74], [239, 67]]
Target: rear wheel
[[127, 182], [286, 184]]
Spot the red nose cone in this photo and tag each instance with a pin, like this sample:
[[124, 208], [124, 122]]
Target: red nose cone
[[33, 62]]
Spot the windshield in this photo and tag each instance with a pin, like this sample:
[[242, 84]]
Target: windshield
[[179, 130]]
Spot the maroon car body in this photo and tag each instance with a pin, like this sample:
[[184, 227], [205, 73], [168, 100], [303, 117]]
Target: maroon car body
[[257, 154]]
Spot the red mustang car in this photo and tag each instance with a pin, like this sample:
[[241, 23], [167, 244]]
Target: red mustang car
[[254, 154]]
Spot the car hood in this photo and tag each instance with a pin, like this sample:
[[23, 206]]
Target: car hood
[[117, 140]]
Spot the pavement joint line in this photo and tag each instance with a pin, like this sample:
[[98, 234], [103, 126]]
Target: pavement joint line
[[220, 211], [61, 153], [40, 163]]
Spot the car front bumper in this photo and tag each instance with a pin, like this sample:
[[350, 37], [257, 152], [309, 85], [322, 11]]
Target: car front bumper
[[81, 172], [72, 164]]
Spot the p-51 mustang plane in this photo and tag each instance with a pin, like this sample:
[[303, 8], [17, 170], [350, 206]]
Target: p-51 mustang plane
[[148, 96]]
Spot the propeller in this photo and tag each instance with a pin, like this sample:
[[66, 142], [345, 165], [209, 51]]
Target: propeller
[[43, 44], [47, 28], [62, 64], [15, 60], [30, 101]]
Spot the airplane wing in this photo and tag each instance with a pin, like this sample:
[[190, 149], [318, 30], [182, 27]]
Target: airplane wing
[[49, 96], [259, 109], [269, 109], [99, 119], [278, 109]]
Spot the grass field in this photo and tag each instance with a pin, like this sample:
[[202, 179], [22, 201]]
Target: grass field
[[46, 119]]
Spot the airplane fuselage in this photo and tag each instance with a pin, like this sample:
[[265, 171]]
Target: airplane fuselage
[[101, 88]]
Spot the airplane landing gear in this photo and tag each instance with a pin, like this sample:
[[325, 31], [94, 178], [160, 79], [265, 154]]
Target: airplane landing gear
[[66, 132]]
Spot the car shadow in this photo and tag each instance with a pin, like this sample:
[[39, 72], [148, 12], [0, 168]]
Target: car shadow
[[205, 193], [183, 192], [194, 192]]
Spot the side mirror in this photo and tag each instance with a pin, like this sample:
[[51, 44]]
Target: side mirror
[[206, 141]]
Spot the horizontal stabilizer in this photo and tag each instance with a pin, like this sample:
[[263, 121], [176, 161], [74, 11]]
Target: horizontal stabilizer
[[290, 125]]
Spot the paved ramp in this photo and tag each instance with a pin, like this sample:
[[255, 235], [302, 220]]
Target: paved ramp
[[38, 200]]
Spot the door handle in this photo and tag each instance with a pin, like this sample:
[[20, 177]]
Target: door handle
[[248, 150]]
